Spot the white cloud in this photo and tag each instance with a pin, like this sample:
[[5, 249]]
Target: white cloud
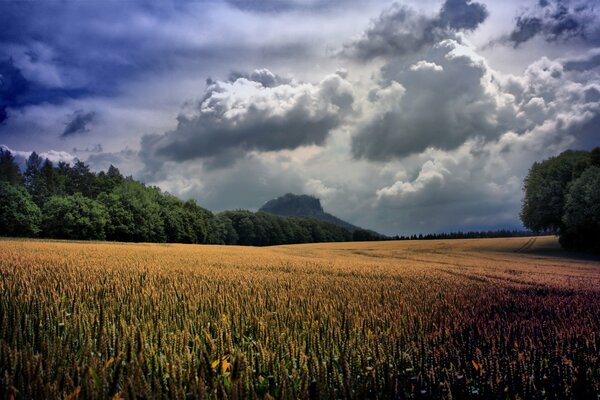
[[426, 66]]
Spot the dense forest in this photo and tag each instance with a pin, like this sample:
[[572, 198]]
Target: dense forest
[[72, 202], [562, 196]]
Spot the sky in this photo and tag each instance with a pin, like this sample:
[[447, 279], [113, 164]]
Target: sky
[[403, 117]]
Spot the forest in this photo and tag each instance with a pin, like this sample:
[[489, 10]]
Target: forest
[[72, 202]]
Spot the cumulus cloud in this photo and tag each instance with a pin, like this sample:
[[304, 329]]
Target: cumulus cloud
[[451, 95], [426, 66], [430, 174], [558, 20], [242, 115], [12, 85], [446, 99], [79, 123], [401, 30]]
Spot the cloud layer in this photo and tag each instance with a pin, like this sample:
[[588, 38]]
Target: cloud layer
[[259, 112], [401, 30], [558, 20], [424, 127]]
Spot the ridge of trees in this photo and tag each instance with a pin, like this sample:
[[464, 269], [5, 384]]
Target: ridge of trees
[[500, 233], [562, 196], [66, 201]]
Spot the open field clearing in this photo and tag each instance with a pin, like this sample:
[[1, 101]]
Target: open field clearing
[[489, 318]]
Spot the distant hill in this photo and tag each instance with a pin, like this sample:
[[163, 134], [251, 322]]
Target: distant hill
[[302, 205]]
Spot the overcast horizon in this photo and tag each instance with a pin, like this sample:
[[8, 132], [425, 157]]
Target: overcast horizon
[[402, 117]]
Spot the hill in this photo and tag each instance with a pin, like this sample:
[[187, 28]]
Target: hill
[[294, 205]]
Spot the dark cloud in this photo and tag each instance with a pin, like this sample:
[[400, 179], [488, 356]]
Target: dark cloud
[[243, 115], [585, 63], [97, 148], [79, 123], [527, 28], [558, 20], [438, 102], [400, 30], [12, 86], [462, 14]]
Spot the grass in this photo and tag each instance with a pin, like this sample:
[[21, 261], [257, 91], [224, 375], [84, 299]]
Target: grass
[[489, 318]]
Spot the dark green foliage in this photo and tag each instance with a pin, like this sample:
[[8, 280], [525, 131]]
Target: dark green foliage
[[363, 235], [81, 180], [221, 231], [43, 180], [263, 229], [545, 189], [134, 213], [107, 181], [582, 212], [74, 217], [562, 196], [183, 221], [19, 216], [80, 204], [9, 170]]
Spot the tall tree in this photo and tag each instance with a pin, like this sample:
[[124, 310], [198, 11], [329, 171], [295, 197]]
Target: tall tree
[[32, 168], [9, 169], [582, 212], [545, 188]]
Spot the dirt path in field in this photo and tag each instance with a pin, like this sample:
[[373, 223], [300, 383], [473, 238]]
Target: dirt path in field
[[527, 245]]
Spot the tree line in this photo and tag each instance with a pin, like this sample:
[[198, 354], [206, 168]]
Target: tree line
[[562, 196], [500, 233], [66, 201]]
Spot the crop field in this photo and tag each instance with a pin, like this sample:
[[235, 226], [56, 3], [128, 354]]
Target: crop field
[[483, 319]]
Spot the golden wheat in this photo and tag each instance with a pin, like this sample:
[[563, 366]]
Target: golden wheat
[[428, 319]]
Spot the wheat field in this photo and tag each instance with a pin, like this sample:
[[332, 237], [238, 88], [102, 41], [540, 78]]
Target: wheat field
[[489, 318]]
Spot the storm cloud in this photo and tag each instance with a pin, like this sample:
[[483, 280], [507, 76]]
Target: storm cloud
[[401, 30], [12, 85], [79, 123], [430, 129], [558, 20], [441, 101], [242, 115]]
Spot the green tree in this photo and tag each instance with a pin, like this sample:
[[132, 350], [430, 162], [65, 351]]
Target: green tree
[[44, 183], [32, 168], [197, 219], [74, 217], [545, 188], [582, 212], [107, 181], [82, 180], [135, 213], [19, 216], [221, 230], [9, 170], [121, 223]]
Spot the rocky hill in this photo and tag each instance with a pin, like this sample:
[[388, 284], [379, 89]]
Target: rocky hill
[[294, 205]]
